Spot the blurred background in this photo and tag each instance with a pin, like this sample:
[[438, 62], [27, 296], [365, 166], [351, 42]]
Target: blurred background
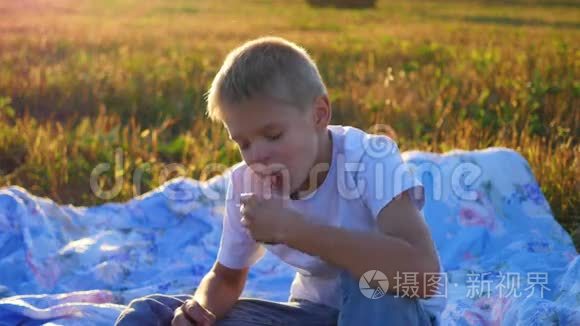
[[92, 81]]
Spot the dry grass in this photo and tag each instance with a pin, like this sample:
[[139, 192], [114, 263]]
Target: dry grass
[[79, 80]]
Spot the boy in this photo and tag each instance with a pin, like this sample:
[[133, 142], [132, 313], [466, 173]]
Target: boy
[[337, 204]]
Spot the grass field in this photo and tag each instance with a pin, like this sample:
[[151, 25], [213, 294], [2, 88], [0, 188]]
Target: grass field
[[83, 80]]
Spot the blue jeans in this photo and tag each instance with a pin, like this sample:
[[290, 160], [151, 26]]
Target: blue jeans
[[356, 309]]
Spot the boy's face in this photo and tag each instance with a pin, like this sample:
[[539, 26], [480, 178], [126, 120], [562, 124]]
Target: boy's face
[[274, 137]]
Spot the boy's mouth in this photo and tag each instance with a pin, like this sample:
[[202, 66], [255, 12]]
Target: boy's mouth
[[276, 180], [277, 183]]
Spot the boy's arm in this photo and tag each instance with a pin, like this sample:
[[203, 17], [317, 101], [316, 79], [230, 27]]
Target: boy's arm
[[220, 289], [403, 245]]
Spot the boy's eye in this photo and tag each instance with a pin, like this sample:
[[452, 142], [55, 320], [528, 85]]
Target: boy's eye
[[275, 136]]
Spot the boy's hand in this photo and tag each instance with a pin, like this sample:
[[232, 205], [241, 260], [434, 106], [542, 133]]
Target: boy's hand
[[192, 313], [268, 220]]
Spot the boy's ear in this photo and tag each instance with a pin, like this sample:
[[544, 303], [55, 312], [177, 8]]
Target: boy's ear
[[321, 112]]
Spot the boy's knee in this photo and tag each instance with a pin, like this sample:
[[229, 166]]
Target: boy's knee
[[147, 302], [140, 309], [153, 297], [140, 303], [151, 309], [165, 301]]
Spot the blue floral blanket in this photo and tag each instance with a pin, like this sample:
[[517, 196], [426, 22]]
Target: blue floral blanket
[[506, 259]]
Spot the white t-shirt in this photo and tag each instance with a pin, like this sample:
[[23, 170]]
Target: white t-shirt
[[366, 173]]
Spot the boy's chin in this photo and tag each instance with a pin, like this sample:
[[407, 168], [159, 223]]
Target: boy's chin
[[294, 195], [293, 191], [296, 191]]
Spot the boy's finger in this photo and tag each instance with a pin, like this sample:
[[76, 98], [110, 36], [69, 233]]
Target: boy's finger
[[199, 317], [248, 198], [245, 210], [188, 313], [209, 316], [206, 314], [244, 221], [180, 319]]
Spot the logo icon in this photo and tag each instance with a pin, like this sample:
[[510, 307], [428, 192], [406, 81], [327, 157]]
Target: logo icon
[[373, 284]]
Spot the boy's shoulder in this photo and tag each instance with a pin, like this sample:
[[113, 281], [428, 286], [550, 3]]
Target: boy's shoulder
[[238, 171], [357, 144]]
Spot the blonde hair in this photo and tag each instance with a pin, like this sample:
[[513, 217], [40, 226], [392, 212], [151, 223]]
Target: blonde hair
[[268, 66]]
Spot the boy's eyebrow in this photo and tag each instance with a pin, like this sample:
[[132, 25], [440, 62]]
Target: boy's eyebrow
[[271, 125]]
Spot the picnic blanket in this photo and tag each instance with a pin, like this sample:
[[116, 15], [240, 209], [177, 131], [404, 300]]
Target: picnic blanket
[[506, 259]]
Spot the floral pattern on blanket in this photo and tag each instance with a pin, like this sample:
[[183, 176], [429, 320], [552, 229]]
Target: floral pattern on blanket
[[506, 259]]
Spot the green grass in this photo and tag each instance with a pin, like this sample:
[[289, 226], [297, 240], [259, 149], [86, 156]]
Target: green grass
[[79, 80]]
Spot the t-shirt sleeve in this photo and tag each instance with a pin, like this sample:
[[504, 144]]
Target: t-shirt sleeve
[[237, 248], [386, 176]]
